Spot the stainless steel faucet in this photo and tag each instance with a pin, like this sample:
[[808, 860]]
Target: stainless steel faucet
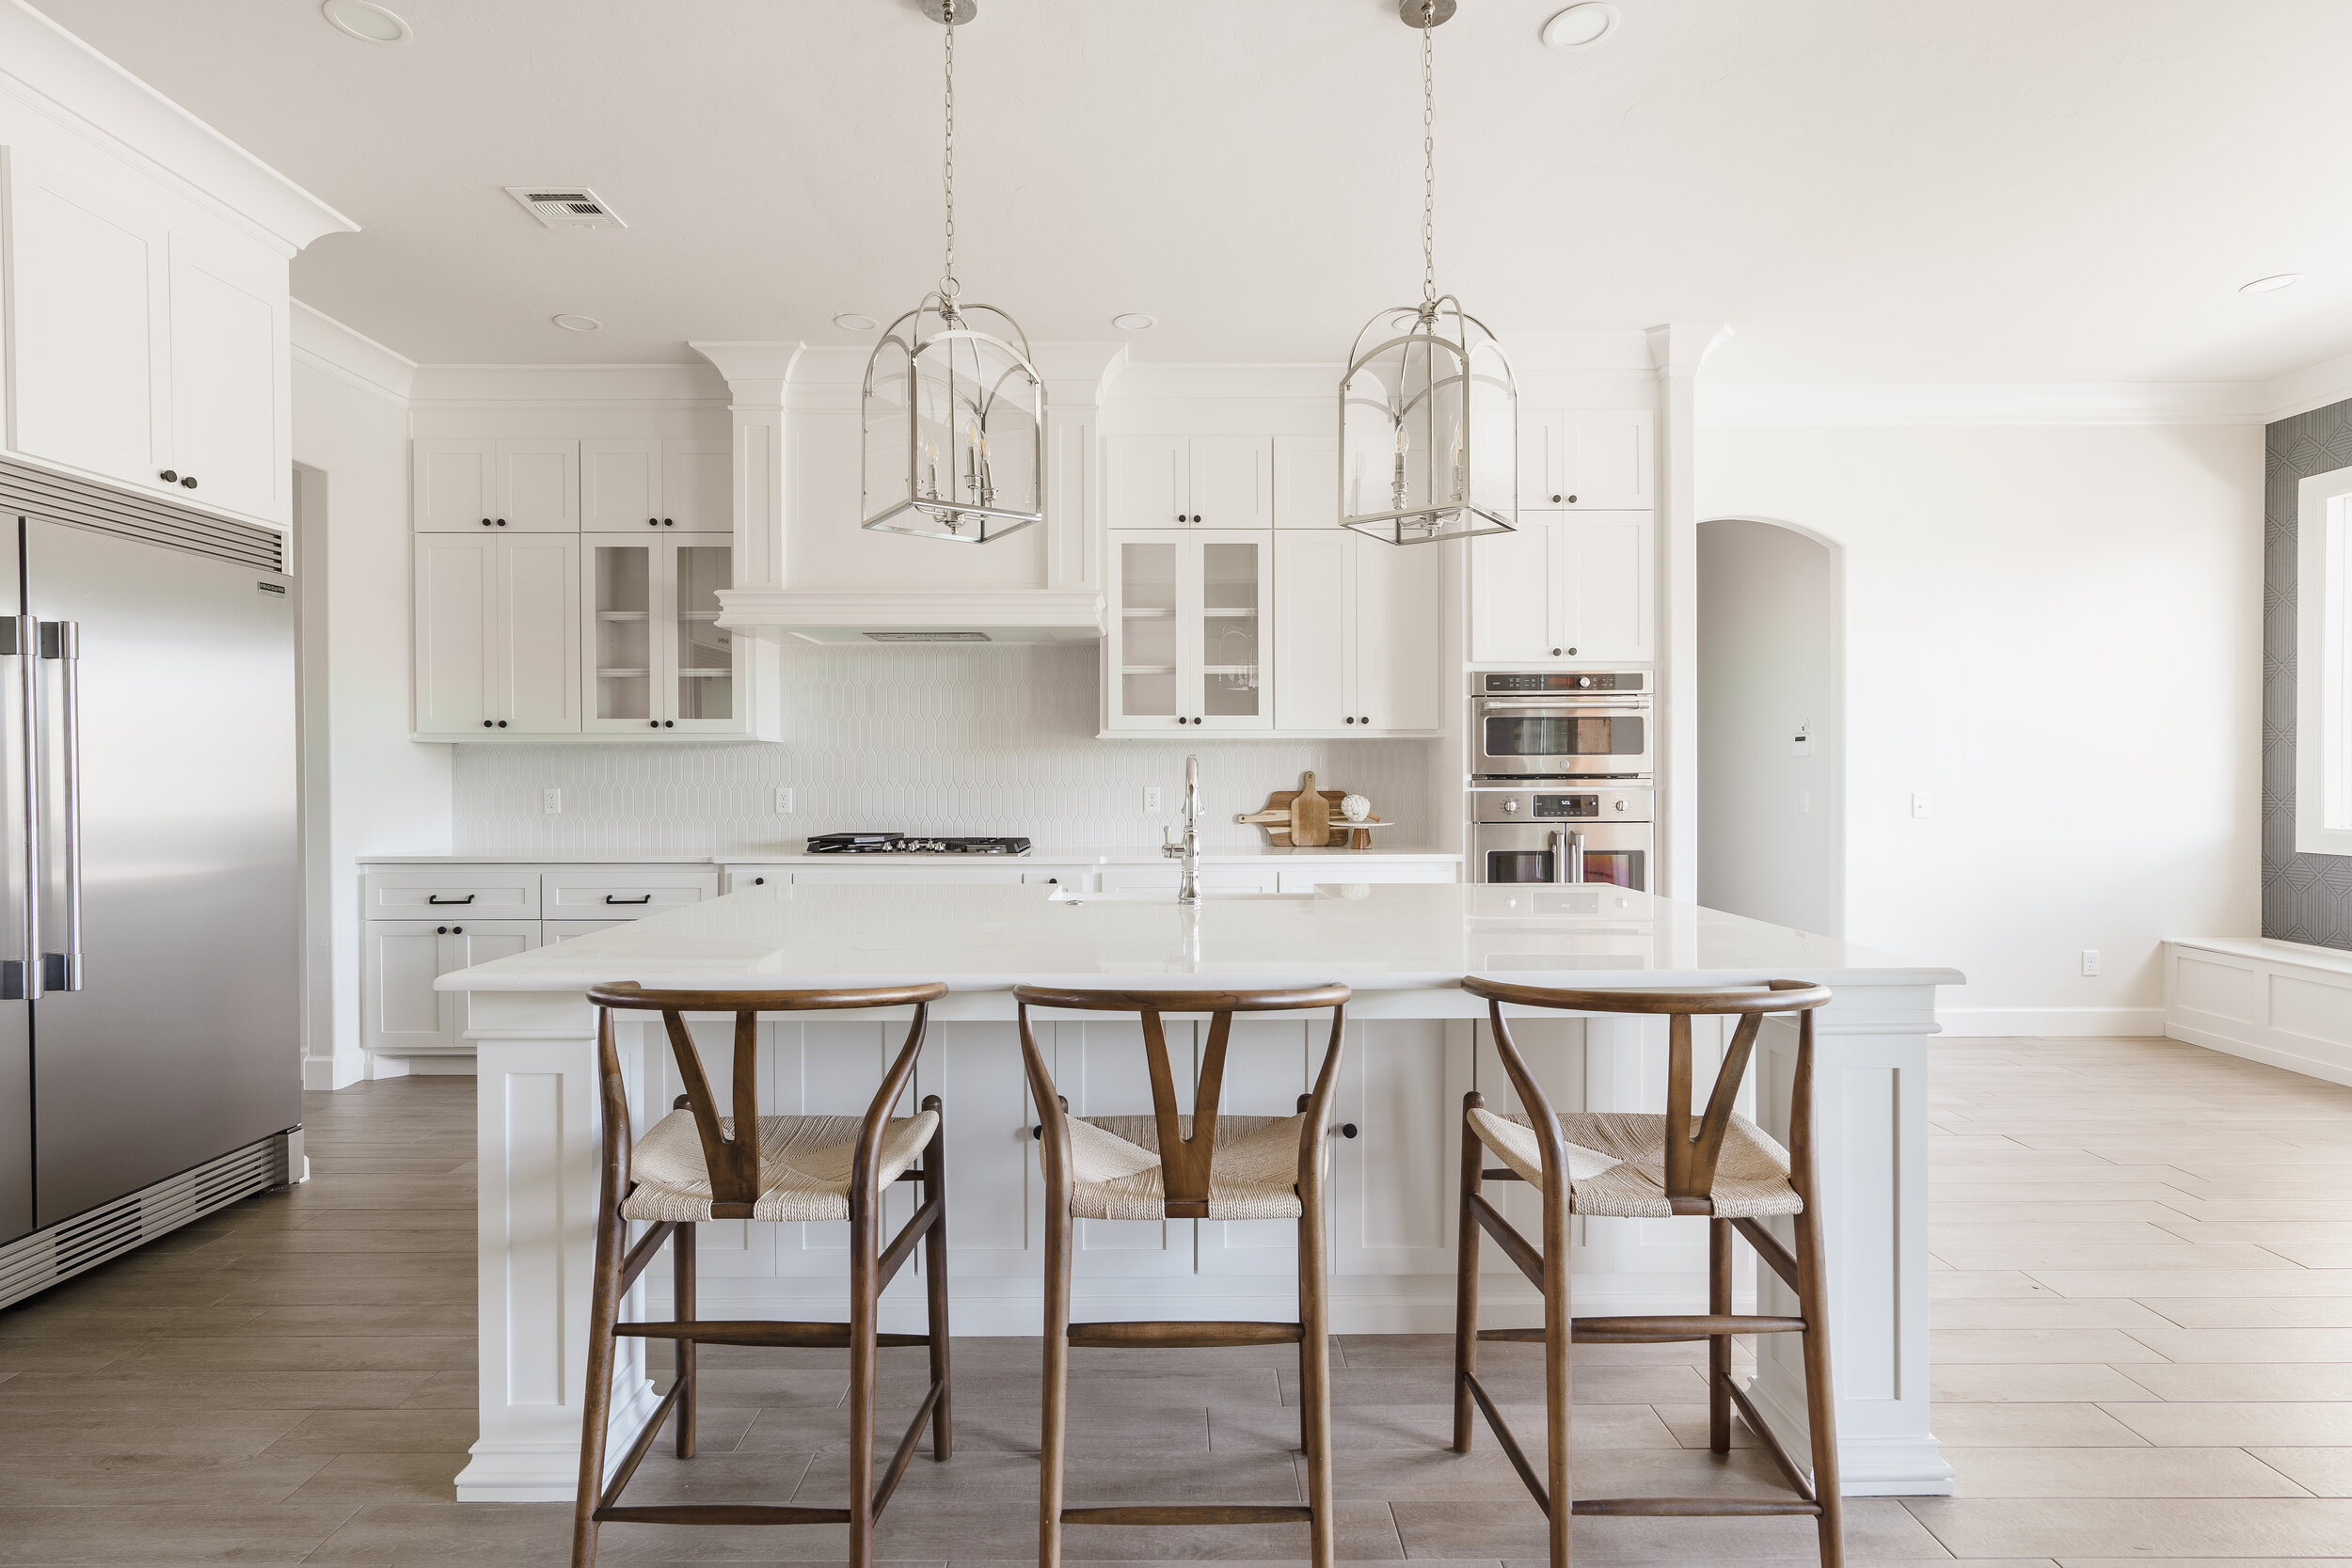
[[1188, 886]]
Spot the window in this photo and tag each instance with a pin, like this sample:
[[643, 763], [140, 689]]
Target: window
[[2323, 698]]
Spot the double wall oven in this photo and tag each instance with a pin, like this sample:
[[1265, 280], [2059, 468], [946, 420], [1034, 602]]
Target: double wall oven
[[1561, 788]]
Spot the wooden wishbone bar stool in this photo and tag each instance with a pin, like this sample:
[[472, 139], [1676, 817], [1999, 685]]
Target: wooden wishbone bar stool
[[1161, 1167], [695, 1165], [1629, 1164]]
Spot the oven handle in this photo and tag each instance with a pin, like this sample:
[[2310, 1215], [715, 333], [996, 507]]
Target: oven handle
[[1567, 855]]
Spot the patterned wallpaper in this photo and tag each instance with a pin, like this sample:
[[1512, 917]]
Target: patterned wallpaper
[[996, 740], [2305, 897]]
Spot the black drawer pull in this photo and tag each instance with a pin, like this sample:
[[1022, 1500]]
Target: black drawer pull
[[646, 898], [437, 898]]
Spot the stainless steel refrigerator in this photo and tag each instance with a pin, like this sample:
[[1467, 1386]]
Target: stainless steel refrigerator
[[150, 1059]]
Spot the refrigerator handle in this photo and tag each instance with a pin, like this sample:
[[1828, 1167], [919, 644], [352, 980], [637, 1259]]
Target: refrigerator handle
[[62, 641], [20, 979]]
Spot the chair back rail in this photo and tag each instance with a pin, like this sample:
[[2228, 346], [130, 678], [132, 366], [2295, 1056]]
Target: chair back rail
[[733, 1162], [1185, 1162], [1691, 1152]]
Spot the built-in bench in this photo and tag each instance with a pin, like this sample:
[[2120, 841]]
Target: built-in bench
[[2285, 1003]]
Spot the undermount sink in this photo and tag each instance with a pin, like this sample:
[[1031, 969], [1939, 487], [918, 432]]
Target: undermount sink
[[1167, 896]]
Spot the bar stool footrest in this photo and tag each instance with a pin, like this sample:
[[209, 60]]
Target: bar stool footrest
[[761, 1331], [1697, 1508], [1208, 1334], [721, 1514], [1191, 1514]]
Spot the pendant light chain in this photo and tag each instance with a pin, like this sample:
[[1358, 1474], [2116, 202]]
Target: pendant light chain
[[948, 286], [1428, 156]]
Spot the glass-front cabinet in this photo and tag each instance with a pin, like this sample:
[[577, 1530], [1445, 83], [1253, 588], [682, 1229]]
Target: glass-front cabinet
[[658, 660], [1189, 633]]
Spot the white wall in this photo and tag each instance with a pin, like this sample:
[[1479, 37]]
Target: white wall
[[1771, 837], [2054, 633], [366, 785]]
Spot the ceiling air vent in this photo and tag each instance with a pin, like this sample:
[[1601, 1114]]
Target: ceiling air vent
[[927, 636], [566, 206]]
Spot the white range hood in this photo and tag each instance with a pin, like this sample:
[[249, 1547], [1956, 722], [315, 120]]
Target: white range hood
[[891, 617]]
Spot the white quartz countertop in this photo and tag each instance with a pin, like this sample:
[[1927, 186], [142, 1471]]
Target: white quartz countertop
[[1041, 855], [992, 937]]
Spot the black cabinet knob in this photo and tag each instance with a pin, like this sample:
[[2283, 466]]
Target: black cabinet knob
[[669, 723], [1571, 500], [1572, 653], [1555, 501], [1346, 1129], [440, 930], [457, 930], [1365, 720], [667, 523], [1196, 516], [485, 522], [501, 522], [1347, 721], [653, 522], [187, 481], [1180, 517], [1555, 653], [758, 881], [653, 723], [501, 723], [169, 477], [486, 723]]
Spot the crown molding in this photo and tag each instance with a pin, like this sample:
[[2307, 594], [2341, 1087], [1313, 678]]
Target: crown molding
[[55, 73], [1735, 403], [657, 385], [327, 345]]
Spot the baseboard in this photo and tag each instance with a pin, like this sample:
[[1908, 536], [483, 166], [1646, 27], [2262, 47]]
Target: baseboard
[[2310, 1067], [332, 1072], [2057, 1022]]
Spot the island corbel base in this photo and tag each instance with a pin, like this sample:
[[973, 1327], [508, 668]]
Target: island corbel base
[[1411, 1055]]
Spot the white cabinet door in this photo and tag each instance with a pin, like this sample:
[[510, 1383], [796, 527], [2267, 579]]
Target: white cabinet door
[[88, 338], [538, 486], [399, 1007], [229, 361], [1543, 460], [1608, 461], [1394, 1203], [535, 625], [1225, 596], [620, 486], [976, 1070], [1511, 592], [697, 486], [1306, 481], [619, 590], [1313, 638], [478, 941], [1606, 595], [1146, 483], [701, 661], [1231, 481], [1141, 652], [454, 484], [455, 589], [1394, 635]]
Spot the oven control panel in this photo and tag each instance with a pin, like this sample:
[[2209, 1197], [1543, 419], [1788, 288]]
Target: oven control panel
[[1563, 805], [1557, 682]]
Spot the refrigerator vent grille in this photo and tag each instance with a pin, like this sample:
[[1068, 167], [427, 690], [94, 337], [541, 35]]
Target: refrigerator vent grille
[[85, 1240], [36, 492]]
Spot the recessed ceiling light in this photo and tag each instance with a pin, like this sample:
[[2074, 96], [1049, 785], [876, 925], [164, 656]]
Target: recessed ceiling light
[[849, 321], [2272, 284], [1135, 320], [1581, 27], [570, 323], [365, 21]]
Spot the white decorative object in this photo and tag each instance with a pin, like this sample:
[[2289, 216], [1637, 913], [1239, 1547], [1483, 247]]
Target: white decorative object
[[1355, 808]]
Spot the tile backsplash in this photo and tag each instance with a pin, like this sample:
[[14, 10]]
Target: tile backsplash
[[930, 741]]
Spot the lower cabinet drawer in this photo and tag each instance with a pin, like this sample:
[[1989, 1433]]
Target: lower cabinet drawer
[[623, 893], [460, 892]]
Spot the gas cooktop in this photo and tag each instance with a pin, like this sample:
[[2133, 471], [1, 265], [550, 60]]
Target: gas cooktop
[[903, 844]]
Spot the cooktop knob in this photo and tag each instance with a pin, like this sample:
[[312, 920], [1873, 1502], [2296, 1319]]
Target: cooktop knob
[[1510, 806], [1583, 680], [1621, 806]]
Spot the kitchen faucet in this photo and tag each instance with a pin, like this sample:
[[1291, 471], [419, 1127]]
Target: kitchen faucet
[[1188, 886]]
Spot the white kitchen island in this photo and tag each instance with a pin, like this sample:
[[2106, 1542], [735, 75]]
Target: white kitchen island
[[1415, 1044]]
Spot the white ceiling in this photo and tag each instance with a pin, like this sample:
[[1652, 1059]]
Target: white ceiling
[[2008, 190]]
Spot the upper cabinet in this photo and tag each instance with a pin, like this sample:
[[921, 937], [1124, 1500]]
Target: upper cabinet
[[677, 483], [1189, 611], [1356, 636], [1306, 481], [140, 353], [1587, 460], [1224, 481], [464, 486], [1564, 587], [657, 658]]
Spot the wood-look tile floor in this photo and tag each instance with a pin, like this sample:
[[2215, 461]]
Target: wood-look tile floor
[[2142, 1354]]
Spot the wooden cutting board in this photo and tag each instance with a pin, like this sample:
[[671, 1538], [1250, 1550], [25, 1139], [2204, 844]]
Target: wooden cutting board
[[1301, 816]]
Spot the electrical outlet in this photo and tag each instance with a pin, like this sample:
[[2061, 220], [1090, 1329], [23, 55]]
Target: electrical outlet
[[551, 800], [1151, 797], [783, 801], [1919, 805], [2091, 962]]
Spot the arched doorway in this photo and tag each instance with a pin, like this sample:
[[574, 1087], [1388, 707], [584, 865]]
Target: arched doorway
[[1771, 725]]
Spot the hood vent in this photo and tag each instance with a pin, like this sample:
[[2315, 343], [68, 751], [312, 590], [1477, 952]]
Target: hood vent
[[566, 206], [928, 637]]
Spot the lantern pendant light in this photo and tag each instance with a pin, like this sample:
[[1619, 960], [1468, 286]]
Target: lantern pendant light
[[953, 409], [1428, 410]]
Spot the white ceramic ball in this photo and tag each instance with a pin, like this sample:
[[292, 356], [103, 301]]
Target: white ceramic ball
[[1355, 808]]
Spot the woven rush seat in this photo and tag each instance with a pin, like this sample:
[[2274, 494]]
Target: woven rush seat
[[804, 1166], [1617, 1164], [1115, 1172]]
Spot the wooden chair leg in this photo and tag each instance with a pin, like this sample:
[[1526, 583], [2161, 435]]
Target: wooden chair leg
[[1719, 1345], [1465, 1277], [1821, 1398], [1559, 1382], [863, 1309], [1314, 1379], [1057, 1388], [682, 1266], [604, 1310], [936, 1270]]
